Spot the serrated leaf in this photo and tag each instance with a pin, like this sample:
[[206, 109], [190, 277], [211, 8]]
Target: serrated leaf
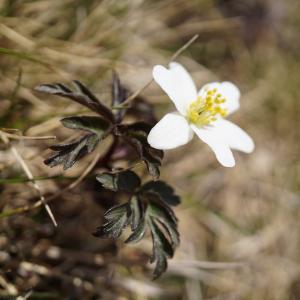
[[62, 147], [162, 249], [92, 142], [115, 228], [56, 159], [116, 211], [162, 190], [69, 154], [136, 135], [138, 232], [122, 181], [118, 218], [145, 210], [137, 209], [167, 220], [81, 95], [74, 154], [87, 123], [140, 128]]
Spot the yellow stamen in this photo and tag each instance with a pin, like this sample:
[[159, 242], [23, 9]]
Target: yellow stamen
[[206, 108]]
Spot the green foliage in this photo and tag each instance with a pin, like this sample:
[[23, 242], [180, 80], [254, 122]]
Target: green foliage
[[87, 123], [145, 210], [136, 135], [122, 181], [161, 190], [99, 127], [81, 95], [68, 154], [149, 205]]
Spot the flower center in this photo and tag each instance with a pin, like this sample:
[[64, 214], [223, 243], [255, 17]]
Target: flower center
[[207, 108]]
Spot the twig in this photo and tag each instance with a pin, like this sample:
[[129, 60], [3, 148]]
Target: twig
[[209, 265], [29, 175], [10, 288], [26, 296], [24, 137], [37, 178], [136, 93], [174, 56], [37, 204], [184, 47]]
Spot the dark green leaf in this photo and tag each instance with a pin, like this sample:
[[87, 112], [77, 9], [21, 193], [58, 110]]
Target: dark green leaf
[[167, 220], [137, 209], [145, 210], [68, 154], [116, 211], [162, 190], [81, 95], [138, 231], [118, 218], [114, 228], [136, 135], [140, 128], [162, 249], [88, 123], [122, 181], [72, 156]]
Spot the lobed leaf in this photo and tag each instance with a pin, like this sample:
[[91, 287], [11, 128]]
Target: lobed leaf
[[138, 221], [162, 190], [116, 211], [87, 123], [69, 154], [145, 211], [167, 220], [136, 135], [122, 181], [118, 218], [137, 209], [81, 95], [162, 249]]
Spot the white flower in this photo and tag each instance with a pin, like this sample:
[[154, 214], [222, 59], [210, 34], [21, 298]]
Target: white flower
[[201, 113]]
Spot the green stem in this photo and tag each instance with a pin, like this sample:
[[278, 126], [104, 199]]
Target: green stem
[[24, 180]]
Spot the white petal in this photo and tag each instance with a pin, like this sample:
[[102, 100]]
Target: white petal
[[170, 132], [177, 84], [229, 91], [222, 151], [232, 135]]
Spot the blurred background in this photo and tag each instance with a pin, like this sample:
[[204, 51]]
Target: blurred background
[[240, 233]]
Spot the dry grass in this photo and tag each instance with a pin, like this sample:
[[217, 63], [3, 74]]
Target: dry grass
[[248, 215]]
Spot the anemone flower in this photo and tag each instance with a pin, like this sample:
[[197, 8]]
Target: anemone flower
[[202, 113]]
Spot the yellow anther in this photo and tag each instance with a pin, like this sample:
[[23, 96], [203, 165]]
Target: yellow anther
[[205, 109]]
